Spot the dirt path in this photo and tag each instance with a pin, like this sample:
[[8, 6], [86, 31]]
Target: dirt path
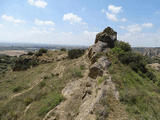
[[27, 108], [34, 84]]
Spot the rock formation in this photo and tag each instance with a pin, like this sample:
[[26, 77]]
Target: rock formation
[[104, 41], [85, 97]]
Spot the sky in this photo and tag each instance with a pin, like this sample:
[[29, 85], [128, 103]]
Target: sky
[[76, 22]]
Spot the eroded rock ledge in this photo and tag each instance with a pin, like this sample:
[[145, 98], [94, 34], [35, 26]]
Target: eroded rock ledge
[[103, 42]]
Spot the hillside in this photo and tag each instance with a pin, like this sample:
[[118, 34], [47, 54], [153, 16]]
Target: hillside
[[151, 52], [106, 82]]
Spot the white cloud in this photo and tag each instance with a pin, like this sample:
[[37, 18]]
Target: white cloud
[[140, 39], [38, 3], [1, 25], [86, 32], [113, 12], [72, 18], [122, 27], [12, 19], [36, 30], [90, 35], [148, 25], [123, 19], [134, 28], [112, 17], [51, 29], [114, 9], [40, 22]]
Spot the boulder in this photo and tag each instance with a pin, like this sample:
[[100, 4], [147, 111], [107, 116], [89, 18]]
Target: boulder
[[108, 36], [104, 41]]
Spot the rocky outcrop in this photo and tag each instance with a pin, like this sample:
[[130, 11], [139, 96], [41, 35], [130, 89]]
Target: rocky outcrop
[[98, 67], [104, 41], [87, 99]]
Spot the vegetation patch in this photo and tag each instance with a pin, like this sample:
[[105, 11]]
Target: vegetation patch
[[75, 53], [50, 104], [102, 79], [17, 89], [23, 63], [137, 92], [28, 101], [137, 62], [41, 51]]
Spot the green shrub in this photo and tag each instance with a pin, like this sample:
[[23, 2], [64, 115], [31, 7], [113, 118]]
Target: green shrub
[[30, 53], [135, 60], [46, 77], [82, 67], [41, 51], [56, 99], [28, 101], [75, 53], [17, 89], [63, 49], [24, 63], [151, 76], [123, 46], [42, 84]]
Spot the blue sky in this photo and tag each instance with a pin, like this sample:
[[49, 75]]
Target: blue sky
[[76, 22]]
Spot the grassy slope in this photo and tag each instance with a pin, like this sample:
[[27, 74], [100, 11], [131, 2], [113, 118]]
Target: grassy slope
[[35, 103], [140, 95]]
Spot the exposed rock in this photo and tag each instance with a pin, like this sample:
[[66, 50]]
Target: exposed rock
[[104, 41], [98, 67], [61, 57], [108, 36], [155, 66], [87, 100]]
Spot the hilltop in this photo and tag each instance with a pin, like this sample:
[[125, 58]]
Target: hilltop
[[106, 82]]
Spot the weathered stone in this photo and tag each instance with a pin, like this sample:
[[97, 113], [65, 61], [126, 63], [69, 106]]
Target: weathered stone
[[104, 41], [95, 70], [98, 67], [108, 36]]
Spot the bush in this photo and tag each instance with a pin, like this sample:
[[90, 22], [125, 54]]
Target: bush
[[75, 53], [151, 76], [42, 84], [50, 104], [30, 53], [135, 60], [28, 101], [17, 89], [41, 51], [63, 49], [24, 63], [123, 46]]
